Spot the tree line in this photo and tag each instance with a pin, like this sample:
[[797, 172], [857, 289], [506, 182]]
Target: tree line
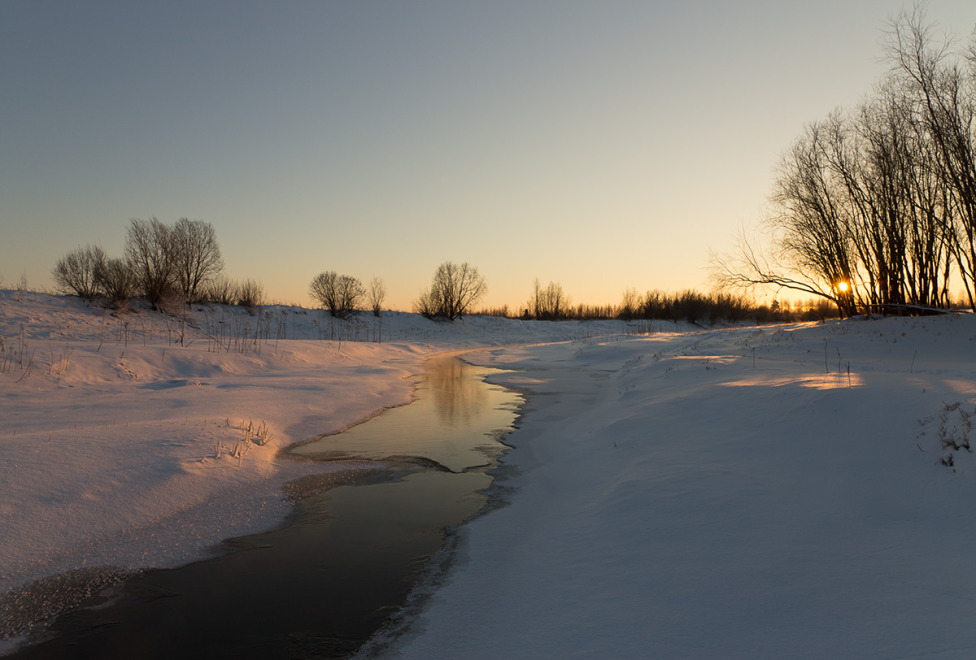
[[172, 265], [552, 303], [875, 207]]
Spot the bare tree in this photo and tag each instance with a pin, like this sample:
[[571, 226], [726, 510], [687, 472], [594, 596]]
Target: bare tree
[[453, 292], [944, 95], [149, 253], [908, 218], [117, 282], [812, 222], [877, 208], [549, 303], [375, 295], [196, 256], [630, 304], [340, 294], [860, 216], [77, 272], [746, 267]]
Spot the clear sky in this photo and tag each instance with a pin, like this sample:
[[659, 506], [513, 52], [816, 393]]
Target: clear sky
[[602, 145]]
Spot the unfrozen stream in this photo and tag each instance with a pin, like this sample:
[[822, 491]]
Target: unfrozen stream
[[331, 575]]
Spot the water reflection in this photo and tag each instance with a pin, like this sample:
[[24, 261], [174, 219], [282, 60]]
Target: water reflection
[[453, 422], [322, 583], [458, 398]]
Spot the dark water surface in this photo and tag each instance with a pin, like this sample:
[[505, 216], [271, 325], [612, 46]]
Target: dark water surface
[[344, 561]]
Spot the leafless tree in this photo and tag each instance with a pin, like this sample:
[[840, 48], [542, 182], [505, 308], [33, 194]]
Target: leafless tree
[[117, 282], [77, 272], [746, 266], [910, 216], [340, 294], [812, 222], [876, 208], [630, 304], [453, 292], [375, 295], [149, 252], [550, 302], [196, 256], [943, 90]]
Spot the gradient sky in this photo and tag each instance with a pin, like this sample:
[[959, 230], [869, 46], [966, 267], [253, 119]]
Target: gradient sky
[[603, 145]]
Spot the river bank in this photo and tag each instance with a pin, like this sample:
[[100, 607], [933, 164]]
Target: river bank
[[789, 491], [144, 439], [342, 562]]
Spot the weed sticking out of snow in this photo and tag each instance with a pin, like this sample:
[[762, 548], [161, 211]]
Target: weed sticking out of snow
[[953, 426]]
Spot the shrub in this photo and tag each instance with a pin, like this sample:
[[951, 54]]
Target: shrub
[[453, 292], [78, 272], [220, 291], [376, 294], [340, 294], [250, 294], [117, 282]]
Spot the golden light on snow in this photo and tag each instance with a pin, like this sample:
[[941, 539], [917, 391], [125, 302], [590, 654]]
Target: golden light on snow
[[831, 381]]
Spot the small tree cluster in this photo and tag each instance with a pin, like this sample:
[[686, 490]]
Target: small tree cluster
[[549, 303], [79, 272], [453, 292], [694, 307], [876, 208], [160, 262], [178, 260], [88, 273], [342, 294]]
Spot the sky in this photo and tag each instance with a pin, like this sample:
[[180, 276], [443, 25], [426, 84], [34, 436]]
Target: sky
[[601, 145]]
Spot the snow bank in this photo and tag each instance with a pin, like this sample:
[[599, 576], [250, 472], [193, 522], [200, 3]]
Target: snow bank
[[743, 493], [142, 439], [791, 491]]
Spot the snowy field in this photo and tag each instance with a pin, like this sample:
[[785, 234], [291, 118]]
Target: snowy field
[[143, 439], [778, 492], [786, 491]]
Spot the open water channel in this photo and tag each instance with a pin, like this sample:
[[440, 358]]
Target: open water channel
[[331, 575]]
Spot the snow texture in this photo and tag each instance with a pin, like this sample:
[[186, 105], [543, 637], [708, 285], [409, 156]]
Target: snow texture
[[143, 439], [785, 491], [738, 493]]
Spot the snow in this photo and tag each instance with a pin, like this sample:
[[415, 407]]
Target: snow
[[784, 491], [123, 436], [727, 494]]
